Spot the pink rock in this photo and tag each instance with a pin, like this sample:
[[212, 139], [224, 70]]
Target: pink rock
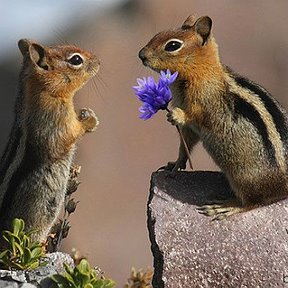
[[245, 250]]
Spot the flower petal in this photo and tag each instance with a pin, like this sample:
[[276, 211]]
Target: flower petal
[[173, 77], [154, 95]]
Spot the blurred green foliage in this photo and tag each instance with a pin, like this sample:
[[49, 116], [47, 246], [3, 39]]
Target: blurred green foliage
[[82, 276], [22, 253]]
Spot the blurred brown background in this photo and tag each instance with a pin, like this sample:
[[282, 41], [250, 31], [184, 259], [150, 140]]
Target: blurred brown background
[[109, 225]]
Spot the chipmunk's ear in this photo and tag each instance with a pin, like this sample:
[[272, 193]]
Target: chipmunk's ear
[[203, 27], [34, 51], [189, 22]]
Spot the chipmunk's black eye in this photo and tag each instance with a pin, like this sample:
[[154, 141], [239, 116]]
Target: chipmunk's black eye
[[173, 45], [75, 60]]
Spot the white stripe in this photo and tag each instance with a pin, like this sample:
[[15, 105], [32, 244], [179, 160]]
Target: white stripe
[[257, 103]]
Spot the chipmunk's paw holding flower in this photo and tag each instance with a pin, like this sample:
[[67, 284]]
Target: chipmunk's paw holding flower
[[176, 117]]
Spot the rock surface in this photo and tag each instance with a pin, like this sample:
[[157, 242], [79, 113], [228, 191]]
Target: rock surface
[[190, 250], [38, 277]]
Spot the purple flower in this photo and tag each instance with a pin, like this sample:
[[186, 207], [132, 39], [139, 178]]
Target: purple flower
[[155, 96], [168, 77]]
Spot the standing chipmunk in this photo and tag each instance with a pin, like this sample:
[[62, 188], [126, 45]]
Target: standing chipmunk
[[241, 125], [34, 169]]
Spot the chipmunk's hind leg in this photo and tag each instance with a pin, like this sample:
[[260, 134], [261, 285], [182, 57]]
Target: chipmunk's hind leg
[[222, 209]]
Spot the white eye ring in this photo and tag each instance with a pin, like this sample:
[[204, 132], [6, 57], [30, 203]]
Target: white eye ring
[[173, 45], [76, 60]]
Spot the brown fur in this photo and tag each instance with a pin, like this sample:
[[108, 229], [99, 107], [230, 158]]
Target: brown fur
[[210, 105], [50, 128]]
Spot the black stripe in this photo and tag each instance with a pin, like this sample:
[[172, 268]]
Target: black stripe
[[15, 134], [10, 151], [27, 166], [270, 105], [246, 110]]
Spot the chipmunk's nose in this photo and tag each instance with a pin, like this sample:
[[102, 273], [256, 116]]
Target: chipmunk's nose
[[142, 55]]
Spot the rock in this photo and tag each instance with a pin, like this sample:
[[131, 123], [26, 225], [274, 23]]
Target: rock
[[54, 266], [39, 276], [18, 275], [27, 285], [190, 250], [9, 284]]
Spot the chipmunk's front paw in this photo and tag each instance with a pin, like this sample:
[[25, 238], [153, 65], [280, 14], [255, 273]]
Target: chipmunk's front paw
[[174, 166], [176, 116], [89, 119]]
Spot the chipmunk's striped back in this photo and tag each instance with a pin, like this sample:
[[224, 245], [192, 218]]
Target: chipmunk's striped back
[[14, 150], [242, 127], [256, 104]]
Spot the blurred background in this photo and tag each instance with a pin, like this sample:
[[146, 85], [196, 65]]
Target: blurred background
[[109, 225]]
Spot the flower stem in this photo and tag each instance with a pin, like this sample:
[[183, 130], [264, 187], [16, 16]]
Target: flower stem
[[184, 143], [185, 146]]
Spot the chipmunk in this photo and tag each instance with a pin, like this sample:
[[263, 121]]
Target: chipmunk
[[34, 169], [242, 127]]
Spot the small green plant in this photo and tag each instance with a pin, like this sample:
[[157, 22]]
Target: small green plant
[[82, 276], [22, 253]]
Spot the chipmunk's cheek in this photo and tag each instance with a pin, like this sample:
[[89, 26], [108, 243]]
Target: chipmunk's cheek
[[85, 79], [93, 67], [153, 63], [158, 65]]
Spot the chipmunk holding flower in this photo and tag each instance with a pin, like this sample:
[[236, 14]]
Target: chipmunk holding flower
[[242, 127], [34, 169]]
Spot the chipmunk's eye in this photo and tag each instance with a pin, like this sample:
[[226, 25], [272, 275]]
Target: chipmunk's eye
[[173, 45], [75, 60]]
